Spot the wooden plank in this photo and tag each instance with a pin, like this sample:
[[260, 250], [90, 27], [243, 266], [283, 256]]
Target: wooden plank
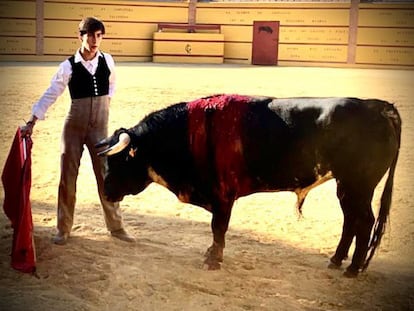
[[386, 17], [286, 16], [188, 47], [58, 46], [188, 44], [238, 50], [110, 12], [60, 58], [121, 30], [353, 31], [18, 9], [187, 59], [315, 35], [210, 37], [127, 47], [67, 46], [39, 26], [130, 30], [17, 45], [61, 28], [385, 55], [254, 6], [17, 27], [237, 33], [312, 53], [188, 27], [386, 36], [291, 34], [192, 12]]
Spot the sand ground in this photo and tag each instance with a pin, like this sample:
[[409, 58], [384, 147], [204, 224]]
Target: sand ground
[[273, 261]]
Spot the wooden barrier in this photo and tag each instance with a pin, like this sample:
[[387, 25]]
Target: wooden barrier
[[385, 35], [188, 27], [311, 34], [176, 47]]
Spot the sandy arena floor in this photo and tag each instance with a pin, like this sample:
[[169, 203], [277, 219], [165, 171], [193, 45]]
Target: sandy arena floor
[[273, 261]]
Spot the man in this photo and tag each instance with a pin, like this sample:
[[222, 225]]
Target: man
[[90, 75]]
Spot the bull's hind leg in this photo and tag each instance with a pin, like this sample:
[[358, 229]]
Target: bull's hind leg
[[348, 229], [219, 226], [355, 202], [364, 222]]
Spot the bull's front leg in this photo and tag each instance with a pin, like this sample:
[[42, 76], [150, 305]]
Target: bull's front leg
[[219, 226]]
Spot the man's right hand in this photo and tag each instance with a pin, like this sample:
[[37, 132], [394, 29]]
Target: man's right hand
[[27, 130]]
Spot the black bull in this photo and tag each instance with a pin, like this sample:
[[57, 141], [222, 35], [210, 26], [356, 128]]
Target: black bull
[[213, 150]]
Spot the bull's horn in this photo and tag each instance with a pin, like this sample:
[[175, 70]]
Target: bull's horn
[[103, 142], [123, 142]]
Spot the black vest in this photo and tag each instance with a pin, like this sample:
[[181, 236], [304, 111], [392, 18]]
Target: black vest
[[82, 84]]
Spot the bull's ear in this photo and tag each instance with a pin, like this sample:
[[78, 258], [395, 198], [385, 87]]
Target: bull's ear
[[132, 152]]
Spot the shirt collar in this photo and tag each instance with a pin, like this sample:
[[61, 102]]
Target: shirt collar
[[79, 58]]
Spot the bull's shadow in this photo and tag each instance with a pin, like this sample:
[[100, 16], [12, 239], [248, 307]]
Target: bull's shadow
[[169, 250]]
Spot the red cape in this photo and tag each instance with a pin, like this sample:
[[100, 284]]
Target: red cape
[[17, 181], [215, 129]]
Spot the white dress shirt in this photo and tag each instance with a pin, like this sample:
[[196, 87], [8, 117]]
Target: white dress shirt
[[62, 77]]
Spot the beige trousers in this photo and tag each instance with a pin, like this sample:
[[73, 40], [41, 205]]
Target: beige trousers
[[85, 124]]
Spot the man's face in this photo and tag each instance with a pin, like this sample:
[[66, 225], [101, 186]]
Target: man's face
[[91, 41]]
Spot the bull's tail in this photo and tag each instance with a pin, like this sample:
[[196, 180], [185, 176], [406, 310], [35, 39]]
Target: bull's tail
[[380, 224]]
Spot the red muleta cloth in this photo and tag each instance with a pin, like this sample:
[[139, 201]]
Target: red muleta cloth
[[17, 180], [215, 129]]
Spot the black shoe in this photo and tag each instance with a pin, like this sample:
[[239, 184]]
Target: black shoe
[[122, 235], [60, 238]]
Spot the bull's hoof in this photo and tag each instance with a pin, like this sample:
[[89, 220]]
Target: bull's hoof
[[214, 258], [214, 253], [208, 252], [351, 272], [211, 265]]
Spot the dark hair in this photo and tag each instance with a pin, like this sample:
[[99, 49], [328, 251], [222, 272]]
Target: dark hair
[[90, 25]]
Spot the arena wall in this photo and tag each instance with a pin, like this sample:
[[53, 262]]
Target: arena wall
[[338, 34]]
